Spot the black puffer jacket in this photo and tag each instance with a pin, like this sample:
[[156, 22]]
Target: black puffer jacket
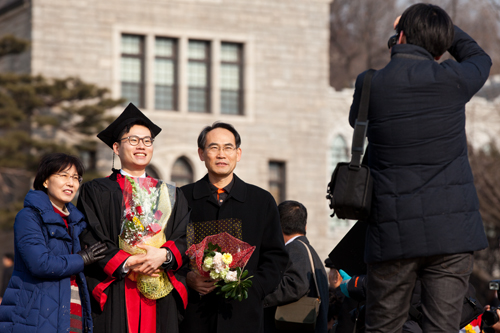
[[425, 202]]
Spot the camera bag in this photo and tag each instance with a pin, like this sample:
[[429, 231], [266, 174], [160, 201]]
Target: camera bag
[[302, 314], [351, 186]]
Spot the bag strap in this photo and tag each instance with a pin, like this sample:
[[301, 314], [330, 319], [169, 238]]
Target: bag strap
[[312, 267], [361, 125]]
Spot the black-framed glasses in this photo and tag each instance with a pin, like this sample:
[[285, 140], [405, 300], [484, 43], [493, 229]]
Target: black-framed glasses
[[66, 177], [134, 140]]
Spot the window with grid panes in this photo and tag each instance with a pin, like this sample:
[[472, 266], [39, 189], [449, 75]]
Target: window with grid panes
[[132, 69], [198, 76], [165, 73], [231, 80], [277, 181]]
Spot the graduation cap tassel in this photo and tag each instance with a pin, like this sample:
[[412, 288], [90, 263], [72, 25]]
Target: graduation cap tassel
[[113, 166]]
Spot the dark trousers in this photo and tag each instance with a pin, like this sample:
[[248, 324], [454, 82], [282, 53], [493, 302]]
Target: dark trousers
[[444, 284]]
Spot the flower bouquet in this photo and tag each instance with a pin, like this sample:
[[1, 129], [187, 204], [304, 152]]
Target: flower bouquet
[[223, 257], [147, 205]]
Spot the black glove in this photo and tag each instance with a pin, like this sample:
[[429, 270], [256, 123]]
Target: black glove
[[92, 254]]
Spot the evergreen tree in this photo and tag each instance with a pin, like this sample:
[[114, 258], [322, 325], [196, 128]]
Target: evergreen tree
[[39, 115]]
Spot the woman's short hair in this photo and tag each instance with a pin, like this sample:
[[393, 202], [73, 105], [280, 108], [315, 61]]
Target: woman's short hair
[[53, 163]]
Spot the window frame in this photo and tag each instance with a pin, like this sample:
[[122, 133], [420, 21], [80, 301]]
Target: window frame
[[281, 182], [175, 60], [142, 57], [207, 61], [240, 64]]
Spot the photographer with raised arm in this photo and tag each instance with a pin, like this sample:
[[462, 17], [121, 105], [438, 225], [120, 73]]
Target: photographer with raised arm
[[424, 221]]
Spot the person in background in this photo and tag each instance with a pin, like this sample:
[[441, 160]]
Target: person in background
[[8, 268], [297, 281], [47, 291]]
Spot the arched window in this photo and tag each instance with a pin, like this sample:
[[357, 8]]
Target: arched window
[[182, 173]]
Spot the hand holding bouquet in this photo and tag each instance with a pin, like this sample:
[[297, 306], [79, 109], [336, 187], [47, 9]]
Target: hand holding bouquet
[[223, 257]]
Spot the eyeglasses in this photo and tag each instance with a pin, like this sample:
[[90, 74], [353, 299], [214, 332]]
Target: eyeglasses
[[134, 140], [213, 150], [66, 177]]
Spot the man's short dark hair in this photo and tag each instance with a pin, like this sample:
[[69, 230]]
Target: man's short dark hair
[[128, 127], [293, 217], [9, 256], [53, 163], [427, 26], [202, 138]]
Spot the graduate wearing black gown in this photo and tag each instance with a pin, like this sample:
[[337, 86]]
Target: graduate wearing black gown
[[116, 305]]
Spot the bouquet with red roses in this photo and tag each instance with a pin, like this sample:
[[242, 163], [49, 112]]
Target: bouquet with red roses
[[223, 258], [147, 205]]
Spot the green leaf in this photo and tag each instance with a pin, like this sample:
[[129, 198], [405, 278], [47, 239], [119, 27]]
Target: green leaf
[[227, 287], [245, 273]]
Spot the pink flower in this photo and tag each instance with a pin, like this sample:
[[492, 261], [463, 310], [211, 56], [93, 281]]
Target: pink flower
[[158, 214], [154, 228]]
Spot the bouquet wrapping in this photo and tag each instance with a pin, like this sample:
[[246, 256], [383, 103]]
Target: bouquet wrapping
[[147, 205], [223, 257]]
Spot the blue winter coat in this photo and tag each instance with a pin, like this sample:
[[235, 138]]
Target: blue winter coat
[[425, 202], [38, 296]]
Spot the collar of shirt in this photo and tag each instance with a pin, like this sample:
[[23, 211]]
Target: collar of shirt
[[291, 240], [65, 212], [227, 188], [221, 197], [124, 173]]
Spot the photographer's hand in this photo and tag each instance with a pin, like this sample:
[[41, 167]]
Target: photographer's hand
[[345, 280], [396, 22]]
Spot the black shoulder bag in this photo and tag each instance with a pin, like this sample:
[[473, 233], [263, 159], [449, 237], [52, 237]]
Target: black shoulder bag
[[350, 189]]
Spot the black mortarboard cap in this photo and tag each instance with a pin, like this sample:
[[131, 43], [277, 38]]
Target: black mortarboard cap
[[131, 114]]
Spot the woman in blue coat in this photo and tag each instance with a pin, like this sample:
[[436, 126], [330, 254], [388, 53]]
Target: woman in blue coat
[[47, 291]]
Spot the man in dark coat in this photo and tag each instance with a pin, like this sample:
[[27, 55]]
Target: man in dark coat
[[252, 212], [298, 280], [117, 305], [425, 219]]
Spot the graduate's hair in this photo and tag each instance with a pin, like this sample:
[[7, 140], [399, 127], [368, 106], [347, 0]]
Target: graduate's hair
[[53, 163], [293, 217], [427, 26], [202, 138], [127, 128], [9, 256]]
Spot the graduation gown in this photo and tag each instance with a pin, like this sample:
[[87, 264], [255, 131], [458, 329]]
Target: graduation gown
[[257, 211], [101, 202]]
